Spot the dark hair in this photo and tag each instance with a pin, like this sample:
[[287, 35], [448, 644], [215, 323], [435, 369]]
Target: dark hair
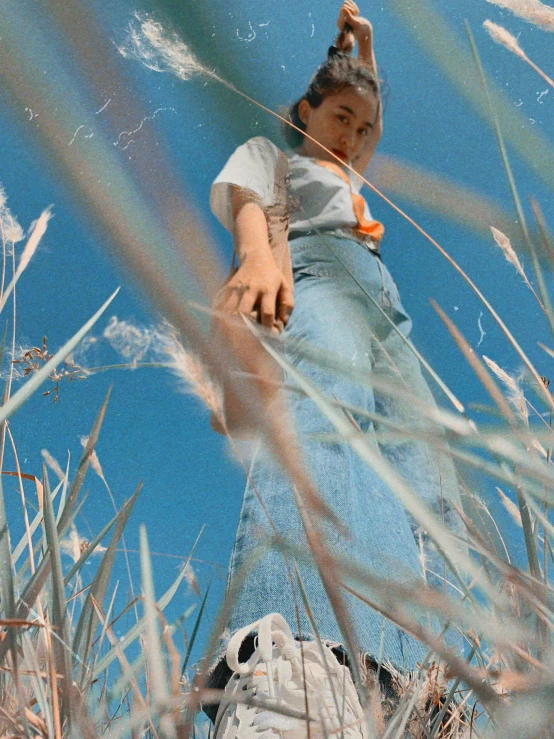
[[337, 73]]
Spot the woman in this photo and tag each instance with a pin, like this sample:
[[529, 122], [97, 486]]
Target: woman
[[342, 305]]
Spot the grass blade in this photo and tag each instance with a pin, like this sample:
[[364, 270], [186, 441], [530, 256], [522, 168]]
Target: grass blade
[[86, 625], [136, 630], [27, 253], [476, 365], [547, 309], [195, 630], [120, 685], [64, 492], [84, 462], [7, 602], [17, 552], [90, 549], [153, 645], [62, 659]]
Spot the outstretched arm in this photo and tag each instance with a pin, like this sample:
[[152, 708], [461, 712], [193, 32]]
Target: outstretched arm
[[258, 286], [363, 33]]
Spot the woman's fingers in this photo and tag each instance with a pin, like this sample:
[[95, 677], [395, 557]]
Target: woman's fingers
[[247, 302], [285, 301], [269, 301], [347, 12], [267, 309]]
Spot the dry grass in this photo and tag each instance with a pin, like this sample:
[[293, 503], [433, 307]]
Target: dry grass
[[65, 673]]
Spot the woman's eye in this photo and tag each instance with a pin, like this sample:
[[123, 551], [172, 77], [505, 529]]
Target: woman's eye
[[342, 118]]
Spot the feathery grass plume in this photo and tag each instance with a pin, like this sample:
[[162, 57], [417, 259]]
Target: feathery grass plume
[[188, 367], [37, 229], [161, 50], [515, 394], [508, 251], [10, 230], [511, 507], [504, 37], [162, 342], [504, 243], [190, 577], [532, 11], [74, 545]]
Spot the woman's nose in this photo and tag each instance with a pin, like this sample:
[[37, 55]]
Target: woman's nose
[[348, 141]]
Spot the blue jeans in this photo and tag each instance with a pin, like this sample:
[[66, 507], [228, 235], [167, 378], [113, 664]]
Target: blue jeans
[[333, 313]]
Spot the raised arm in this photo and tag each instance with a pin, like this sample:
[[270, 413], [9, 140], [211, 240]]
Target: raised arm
[[362, 31], [258, 286]]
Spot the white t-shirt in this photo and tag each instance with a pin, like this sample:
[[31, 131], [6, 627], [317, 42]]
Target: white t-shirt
[[317, 197]]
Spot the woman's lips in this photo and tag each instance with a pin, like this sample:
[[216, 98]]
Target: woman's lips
[[340, 154]]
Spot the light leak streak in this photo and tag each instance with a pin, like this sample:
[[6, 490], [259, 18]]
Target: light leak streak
[[138, 128], [483, 333]]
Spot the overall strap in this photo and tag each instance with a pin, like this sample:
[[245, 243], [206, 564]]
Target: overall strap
[[363, 227]]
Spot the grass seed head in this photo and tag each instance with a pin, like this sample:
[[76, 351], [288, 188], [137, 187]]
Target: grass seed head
[[515, 394], [532, 11], [504, 243], [10, 230], [504, 37], [160, 49]]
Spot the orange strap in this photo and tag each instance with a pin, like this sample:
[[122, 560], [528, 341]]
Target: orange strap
[[363, 227]]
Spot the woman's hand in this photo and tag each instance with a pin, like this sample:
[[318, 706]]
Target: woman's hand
[[361, 28], [258, 289]]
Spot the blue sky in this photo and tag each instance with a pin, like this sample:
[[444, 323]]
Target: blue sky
[[153, 431]]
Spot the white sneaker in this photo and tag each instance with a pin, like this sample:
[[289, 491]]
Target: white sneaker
[[273, 676]]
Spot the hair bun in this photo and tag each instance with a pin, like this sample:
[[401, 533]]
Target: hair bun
[[335, 51], [345, 41]]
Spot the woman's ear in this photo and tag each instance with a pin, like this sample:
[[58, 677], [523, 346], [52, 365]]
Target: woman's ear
[[304, 109]]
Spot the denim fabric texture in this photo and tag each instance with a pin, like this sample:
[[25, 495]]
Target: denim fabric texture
[[334, 314]]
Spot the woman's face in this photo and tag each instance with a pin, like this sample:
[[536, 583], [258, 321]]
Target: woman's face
[[341, 123]]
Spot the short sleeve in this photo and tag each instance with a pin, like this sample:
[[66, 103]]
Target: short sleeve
[[252, 167]]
